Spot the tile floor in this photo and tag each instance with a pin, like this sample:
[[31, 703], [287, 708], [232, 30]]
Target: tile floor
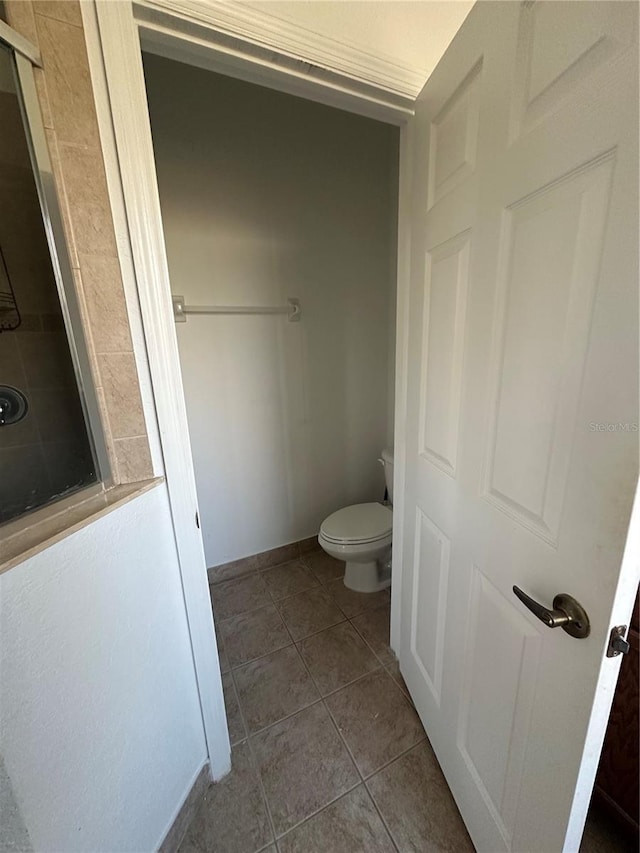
[[328, 754]]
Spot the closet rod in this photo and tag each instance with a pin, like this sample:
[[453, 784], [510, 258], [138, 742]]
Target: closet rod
[[180, 310]]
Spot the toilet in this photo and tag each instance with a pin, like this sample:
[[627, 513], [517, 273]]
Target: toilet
[[360, 535]]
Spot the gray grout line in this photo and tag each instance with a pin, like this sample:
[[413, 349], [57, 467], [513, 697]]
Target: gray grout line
[[320, 810], [362, 780], [256, 768], [373, 799], [381, 816]]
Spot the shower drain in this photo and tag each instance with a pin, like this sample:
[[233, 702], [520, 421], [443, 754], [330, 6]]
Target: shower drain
[[13, 405]]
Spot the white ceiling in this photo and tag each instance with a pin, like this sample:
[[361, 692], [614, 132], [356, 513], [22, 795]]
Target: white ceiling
[[412, 35]]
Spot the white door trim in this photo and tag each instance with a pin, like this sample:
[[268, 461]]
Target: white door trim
[[120, 36]]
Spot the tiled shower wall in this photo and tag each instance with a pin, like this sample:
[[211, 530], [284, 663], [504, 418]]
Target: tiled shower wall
[[69, 115]]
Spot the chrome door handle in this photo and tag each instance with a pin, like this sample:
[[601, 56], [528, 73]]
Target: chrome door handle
[[567, 613]]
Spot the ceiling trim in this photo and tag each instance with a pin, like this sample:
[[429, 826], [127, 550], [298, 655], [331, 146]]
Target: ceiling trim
[[268, 33]]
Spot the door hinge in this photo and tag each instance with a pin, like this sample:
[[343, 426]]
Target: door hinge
[[617, 643], [197, 520]]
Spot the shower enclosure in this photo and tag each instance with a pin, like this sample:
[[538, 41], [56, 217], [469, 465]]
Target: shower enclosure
[[50, 441]]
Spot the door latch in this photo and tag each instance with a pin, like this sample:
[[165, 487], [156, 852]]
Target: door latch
[[617, 643]]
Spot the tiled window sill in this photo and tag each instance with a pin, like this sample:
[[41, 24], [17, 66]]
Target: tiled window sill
[[50, 525]]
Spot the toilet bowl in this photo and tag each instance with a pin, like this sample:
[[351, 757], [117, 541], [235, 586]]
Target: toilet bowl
[[361, 536]]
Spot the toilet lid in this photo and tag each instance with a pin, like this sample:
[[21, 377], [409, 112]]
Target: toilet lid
[[359, 523]]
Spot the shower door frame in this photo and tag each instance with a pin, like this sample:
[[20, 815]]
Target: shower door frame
[[192, 33]]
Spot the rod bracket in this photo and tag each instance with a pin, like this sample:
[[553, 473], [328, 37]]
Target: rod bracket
[[178, 309]]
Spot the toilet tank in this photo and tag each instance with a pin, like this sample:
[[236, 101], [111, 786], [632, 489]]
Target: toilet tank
[[386, 461]]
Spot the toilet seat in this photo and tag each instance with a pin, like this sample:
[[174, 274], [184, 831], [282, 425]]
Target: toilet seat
[[358, 524]]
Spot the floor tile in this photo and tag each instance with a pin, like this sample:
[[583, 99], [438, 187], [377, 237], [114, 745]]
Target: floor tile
[[233, 569], [307, 546], [222, 653], [309, 612], [288, 579], [254, 634], [376, 720], [417, 806], [373, 627], [233, 816], [276, 556], [350, 825], [237, 730], [274, 687], [304, 766], [234, 597], [394, 671], [353, 603], [324, 567], [336, 657]]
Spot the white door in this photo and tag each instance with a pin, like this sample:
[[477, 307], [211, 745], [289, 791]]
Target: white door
[[523, 372]]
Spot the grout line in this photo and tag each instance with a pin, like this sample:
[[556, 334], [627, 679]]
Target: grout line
[[322, 809], [261, 657], [384, 766], [256, 767], [381, 816], [360, 779], [377, 668], [242, 719], [283, 719], [320, 630], [250, 736], [252, 569], [242, 613]]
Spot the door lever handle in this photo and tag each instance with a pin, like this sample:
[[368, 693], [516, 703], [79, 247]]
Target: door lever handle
[[567, 613]]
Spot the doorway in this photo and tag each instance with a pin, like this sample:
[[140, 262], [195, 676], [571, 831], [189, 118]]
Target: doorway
[[268, 197]]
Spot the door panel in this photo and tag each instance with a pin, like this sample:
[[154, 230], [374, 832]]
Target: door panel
[[496, 703], [522, 343], [429, 598], [550, 249], [445, 304]]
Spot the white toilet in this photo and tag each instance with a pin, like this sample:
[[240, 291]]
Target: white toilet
[[361, 536]]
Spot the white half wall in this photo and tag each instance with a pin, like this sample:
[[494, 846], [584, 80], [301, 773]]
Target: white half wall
[[266, 196], [100, 723]]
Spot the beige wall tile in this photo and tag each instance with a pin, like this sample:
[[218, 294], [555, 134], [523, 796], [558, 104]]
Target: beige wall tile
[[61, 10], [87, 328], [108, 440], [133, 459], [104, 295], [63, 201], [86, 187], [122, 394], [66, 69], [21, 17], [43, 98]]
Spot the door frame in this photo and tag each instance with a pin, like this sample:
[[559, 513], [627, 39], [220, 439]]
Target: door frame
[[189, 32]]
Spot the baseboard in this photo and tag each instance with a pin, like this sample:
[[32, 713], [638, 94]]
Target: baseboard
[[263, 560], [176, 832]]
